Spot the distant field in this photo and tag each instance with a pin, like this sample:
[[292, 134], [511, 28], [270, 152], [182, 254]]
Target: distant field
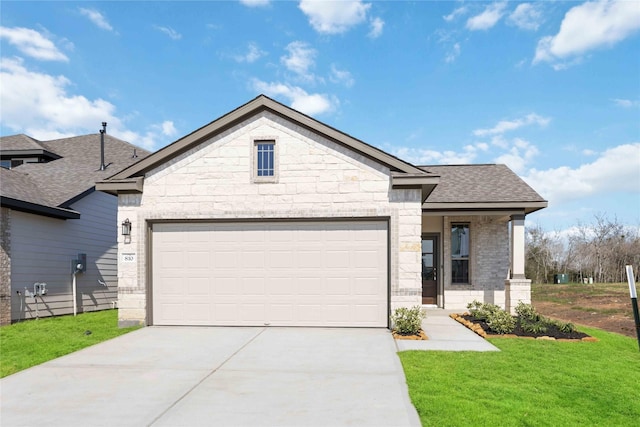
[[602, 305]]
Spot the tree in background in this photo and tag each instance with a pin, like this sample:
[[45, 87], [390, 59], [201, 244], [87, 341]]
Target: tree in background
[[599, 250]]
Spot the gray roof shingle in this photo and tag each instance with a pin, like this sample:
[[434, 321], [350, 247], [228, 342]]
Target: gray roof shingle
[[20, 186], [19, 142], [57, 182], [479, 184]]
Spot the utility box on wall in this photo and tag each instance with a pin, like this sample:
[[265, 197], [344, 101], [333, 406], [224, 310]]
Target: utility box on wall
[[79, 265]]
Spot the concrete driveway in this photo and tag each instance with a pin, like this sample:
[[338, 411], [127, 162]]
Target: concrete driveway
[[188, 376]]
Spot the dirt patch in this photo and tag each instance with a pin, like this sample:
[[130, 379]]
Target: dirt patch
[[603, 306]]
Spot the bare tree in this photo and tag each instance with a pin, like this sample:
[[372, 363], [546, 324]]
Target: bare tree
[[599, 250]]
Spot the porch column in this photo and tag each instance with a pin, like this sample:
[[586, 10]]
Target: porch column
[[517, 286], [517, 247]]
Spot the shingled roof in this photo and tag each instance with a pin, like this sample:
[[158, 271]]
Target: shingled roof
[[58, 183], [20, 142], [481, 187]]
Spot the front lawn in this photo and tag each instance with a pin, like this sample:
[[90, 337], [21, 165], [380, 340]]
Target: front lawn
[[32, 342], [529, 382]]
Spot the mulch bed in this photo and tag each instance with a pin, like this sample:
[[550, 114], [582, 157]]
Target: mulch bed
[[553, 333]]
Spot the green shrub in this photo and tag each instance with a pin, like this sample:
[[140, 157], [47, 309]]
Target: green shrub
[[539, 327], [527, 312], [500, 321], [408, 321], [482, 311], [565, 327], [475, 307]]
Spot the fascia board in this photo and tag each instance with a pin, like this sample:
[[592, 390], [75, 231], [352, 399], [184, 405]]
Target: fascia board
[[34, 208], [460, 207], [133, 185]]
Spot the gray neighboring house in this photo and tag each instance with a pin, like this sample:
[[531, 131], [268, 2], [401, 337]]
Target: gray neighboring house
[[267, 216], [51, 213]]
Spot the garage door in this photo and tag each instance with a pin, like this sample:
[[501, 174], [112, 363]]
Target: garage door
[[280, 274]]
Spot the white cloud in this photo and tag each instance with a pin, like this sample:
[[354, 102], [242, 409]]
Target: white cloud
[[334, 17], [300, 58], [589, 26], [97, 18], [298, 98], [168, 128], [32, 43], [488, 18], [422, 156], [526, 17], [626, 103], [253, 54], [453, 54], [255, 3], [39, 105], [457, 12], [588, 152], [173, 34], [341, 76], [519, 156], [377, 25], [616, 170], [509, 125]]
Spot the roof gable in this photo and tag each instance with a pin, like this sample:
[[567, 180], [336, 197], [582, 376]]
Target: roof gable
[[252, 108]]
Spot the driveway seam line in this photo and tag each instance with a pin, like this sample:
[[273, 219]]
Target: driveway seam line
[[156, 419]]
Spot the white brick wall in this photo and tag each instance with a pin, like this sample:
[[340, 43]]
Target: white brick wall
[[317, 179]]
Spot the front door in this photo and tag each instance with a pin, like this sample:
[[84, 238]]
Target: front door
[[430, 270]]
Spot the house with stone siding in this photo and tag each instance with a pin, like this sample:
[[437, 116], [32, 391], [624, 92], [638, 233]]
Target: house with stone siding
[[266, 216], [51, 217]]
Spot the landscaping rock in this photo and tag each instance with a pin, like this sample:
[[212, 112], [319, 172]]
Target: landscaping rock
[[421, 336]]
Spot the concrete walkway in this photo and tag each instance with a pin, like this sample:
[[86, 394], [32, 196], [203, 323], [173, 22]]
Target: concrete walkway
[[446, 334], [190, 376]]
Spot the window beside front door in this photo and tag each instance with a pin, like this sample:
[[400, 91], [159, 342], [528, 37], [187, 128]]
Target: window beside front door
[[460, 253], [430, 265]]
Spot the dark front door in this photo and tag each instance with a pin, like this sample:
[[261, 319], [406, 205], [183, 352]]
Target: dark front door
[[430, 270]]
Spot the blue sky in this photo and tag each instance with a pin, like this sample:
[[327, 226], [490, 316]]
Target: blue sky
[[552, 89]]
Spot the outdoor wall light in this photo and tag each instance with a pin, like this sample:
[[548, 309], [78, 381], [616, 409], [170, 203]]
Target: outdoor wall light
[[126, 227]]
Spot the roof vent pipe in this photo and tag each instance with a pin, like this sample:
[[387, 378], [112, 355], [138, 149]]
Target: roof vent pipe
[[102, 132]]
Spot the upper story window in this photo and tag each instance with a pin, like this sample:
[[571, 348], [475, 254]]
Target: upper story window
[[460, 253], [266, 156], [265, 160]]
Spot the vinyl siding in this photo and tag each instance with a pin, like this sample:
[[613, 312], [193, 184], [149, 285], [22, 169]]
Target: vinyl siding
[[42, 249]]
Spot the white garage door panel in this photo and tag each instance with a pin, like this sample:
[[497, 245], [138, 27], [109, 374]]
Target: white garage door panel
[[282, 274]]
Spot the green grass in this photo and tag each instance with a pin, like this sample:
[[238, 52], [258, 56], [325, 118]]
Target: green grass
[[529, 383], [32, 342]]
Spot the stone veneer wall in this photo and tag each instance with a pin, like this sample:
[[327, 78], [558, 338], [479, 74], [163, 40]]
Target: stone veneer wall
[[317, 179], [5, 266], [488, 263]]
